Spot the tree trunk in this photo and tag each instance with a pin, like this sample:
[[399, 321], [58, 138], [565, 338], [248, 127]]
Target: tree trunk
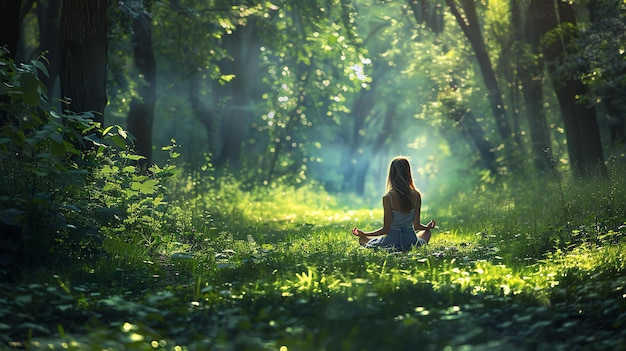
[[359, 172], [241, 46], [616, 115], [470, 26], [48, 14], [602, 14], [10, 26], [581, 127], [83, 50], [203, 114], [429, 13], [11, 245], [530, 66], [475, 133], [233, 130], [362, 108], [141, 114]]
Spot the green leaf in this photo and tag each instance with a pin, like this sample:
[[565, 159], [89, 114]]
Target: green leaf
[[56, 137], [55, 114], [147, 187], [58, 149], [158, 201], [24, 300], [225, 78], [30, 88], [41, 67], [118, 140], [131, 157], [94, 139], [128, 169], [107, 130]]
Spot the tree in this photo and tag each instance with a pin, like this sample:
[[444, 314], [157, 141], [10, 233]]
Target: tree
[[372, 127], [529, 68], [558, 30], [601, 47], [141, 111], [83, 50], [9, 26], [244, 47], [266, 81], [469, 23], [452, 98], [310, 62], [48, 17], [429, 13], [9, 36]]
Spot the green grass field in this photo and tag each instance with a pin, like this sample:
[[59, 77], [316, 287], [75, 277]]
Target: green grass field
[[535, 269]]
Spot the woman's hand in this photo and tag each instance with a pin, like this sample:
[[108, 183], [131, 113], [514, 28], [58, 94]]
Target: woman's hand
[[357, 232], [431, 224]]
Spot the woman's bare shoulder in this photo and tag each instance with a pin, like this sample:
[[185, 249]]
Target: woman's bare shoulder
[[416, 197], [387, 196]]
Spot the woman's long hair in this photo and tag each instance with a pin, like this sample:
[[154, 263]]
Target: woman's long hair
[[400, 179]]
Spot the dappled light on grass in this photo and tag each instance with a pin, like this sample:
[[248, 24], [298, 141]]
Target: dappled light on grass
[[282, 270]]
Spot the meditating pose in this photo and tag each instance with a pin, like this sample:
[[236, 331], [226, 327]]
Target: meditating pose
[[401, 204]]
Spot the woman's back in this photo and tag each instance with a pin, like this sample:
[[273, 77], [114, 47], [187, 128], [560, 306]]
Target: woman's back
[[401, 218]]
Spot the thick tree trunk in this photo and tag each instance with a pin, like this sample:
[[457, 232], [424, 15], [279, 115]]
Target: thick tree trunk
[[603, 14], [537, 123], [581, 127], [11, 245], [616, 117], [9, 36], [141, 114], [10, 25], [83, 50]]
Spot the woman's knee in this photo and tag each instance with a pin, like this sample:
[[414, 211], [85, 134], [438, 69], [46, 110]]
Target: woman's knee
[[425, 235]]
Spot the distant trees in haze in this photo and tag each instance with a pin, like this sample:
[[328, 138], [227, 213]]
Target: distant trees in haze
[[284, 91]]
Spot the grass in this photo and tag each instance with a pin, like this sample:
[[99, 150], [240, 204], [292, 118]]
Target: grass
[[533, 268]]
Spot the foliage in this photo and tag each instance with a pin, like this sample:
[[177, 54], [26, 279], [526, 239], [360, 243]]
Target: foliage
[[278, 268], [42, 155], [70, 187], [599, 58]]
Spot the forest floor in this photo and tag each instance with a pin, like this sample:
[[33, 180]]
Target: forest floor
[[299, 281]]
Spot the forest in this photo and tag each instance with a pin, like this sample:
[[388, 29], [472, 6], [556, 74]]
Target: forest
[[185, 174]]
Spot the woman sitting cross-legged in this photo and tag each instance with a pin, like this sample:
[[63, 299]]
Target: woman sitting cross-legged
[[401, 204]]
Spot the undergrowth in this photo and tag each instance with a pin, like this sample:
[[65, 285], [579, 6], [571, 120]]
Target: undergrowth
[[277, 268]]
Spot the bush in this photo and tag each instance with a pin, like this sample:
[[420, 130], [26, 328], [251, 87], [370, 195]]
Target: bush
[[67, 184]]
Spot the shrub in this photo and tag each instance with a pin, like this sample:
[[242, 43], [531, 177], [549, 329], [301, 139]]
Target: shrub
[[67, 184]]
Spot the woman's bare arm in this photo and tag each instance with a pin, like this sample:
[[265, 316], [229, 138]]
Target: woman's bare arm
[[417, 225], [386, 219]]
